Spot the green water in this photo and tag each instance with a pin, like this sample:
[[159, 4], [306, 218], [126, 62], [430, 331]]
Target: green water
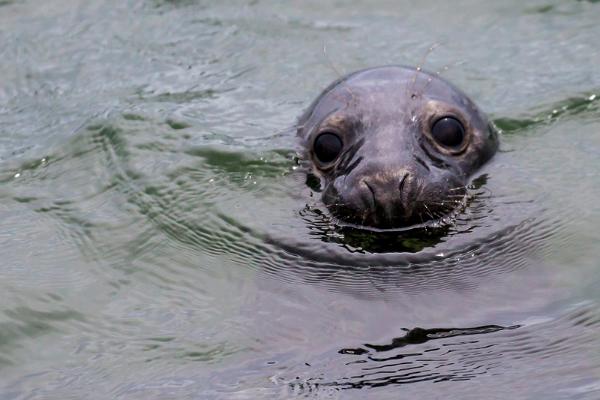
[[158, 240]]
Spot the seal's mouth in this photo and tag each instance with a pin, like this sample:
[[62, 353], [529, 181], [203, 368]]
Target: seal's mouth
[[397, 201], [356, 236], [361, 238], [426, 217], [371, 223]]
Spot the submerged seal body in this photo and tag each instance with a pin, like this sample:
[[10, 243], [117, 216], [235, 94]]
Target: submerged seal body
[[394, 146]]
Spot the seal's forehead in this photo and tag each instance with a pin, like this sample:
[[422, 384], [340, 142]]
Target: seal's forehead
[[385, 91], [401, 81]]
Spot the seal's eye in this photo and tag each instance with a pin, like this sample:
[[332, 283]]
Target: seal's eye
[[448, 131], [327, 147]]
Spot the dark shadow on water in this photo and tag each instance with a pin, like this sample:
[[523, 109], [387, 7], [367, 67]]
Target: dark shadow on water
[[421, 355], [587, 104], [438, 355], [420, 335], [360, 240]]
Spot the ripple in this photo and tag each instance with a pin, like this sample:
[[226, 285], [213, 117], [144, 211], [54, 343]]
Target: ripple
[[499, 250], [586, 105], [165, 249], [212, 201], [459, 354]]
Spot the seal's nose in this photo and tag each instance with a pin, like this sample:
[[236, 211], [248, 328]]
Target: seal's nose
[[389, 195]]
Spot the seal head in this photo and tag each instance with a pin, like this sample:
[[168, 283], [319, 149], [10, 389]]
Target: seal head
[[394, 146]]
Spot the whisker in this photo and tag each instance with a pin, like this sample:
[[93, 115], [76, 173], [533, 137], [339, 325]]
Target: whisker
[[339, 74], [438, 73], [428, 211], [329, 62], [418, 69]]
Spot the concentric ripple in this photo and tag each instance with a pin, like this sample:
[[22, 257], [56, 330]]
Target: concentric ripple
[[256, 211]]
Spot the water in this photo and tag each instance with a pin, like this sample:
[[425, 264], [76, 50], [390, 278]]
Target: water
[[159, 241]]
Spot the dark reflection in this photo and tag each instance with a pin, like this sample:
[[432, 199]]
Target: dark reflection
[[447, 361], [453, 360], [411, 241], [420, 335], [459, 354]]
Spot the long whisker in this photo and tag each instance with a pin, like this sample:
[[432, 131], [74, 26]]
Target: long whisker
[[418, 69], [439, 72], [329, 62], [339, 74]]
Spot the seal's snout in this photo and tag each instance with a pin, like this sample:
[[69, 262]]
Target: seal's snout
[[380, 198], [385, 198], [389, 195]]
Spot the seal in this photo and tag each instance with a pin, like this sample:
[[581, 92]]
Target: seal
[[394, 146]]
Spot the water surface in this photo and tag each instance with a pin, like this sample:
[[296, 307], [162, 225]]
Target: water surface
[[158, 238]]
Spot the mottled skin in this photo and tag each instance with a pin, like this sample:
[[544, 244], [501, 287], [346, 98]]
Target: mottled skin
[[391, 172]]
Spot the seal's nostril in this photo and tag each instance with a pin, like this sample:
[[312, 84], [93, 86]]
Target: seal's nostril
[[402, 182], [373, 197]]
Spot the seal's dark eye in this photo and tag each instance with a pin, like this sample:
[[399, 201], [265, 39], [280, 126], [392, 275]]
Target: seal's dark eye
[[327, 147], [448, 131]]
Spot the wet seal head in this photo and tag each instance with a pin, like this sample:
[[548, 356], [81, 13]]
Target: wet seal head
[[394, 146]]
